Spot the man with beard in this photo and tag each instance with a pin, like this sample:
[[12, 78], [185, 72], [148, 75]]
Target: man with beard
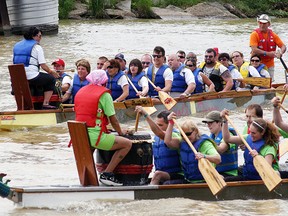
[[216, 72]]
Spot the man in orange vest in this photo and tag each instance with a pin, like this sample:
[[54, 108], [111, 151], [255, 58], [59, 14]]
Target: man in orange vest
[[263, 41]]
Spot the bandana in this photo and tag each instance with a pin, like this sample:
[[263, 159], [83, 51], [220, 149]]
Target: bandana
[[97, 77]]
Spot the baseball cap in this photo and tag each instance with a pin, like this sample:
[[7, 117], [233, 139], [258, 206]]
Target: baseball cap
[[59, 62], [264, 18], [120, 56], [213, 116]]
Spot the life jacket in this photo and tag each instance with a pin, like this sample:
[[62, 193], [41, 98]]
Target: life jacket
[[22, 52], [229, 159], [199, 86], [87, 107], [159, 79], [244, 70], [60, 79], [165, 159], [116, 90], [230, 68], [135, 81], [77, 84], [179, 84], [249, 171], [259, 69], [189, 163], [266, 45], [215, 76]]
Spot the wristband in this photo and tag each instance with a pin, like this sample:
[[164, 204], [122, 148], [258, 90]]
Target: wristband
[[145, 115], [265, 53], [171, 122]]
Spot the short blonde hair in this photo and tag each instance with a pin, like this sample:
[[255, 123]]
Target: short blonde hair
[[189, 125]]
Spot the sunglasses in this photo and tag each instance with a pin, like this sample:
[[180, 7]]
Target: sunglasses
[[209, 56], [158, 56], [100, 63], [236, 56], [188, 133], [182, 57], [255, 60], [147, 63], [110, 67], [223, 59], [190, 65]]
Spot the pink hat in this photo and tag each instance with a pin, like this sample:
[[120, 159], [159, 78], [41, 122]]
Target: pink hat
[[97, 77], [59, 62]]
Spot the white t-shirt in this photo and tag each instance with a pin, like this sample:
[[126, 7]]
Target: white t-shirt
[[67, 79], [122, 81], [143, 82], [37, 58], [189, 76]]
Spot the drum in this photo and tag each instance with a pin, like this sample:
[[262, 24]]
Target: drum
[[135, 168]]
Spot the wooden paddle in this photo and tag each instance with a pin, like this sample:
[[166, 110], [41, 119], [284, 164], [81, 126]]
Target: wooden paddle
[[266, 172], [165, 98], [282, 107], [257, 81], [149, 110], [283, 147], [285, 67], [66, 70], [137, 121], [214, 180]]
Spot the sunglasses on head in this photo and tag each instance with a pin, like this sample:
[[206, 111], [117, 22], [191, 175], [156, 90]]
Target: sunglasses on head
[[255, 60], [147, 63], [158, 56], [110, 67]]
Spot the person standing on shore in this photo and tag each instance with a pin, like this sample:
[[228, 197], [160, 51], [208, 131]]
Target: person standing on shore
[[263, 41]]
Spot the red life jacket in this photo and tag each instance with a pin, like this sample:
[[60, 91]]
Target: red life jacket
[[86, 107], [266, 45]]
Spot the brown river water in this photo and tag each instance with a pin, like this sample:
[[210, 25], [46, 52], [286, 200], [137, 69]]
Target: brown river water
[[40, 156]]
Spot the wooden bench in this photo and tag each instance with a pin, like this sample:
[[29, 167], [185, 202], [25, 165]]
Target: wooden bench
[[21, 89], [83, 153]]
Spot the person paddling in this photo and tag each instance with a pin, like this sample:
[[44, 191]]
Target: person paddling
[[94, 105]]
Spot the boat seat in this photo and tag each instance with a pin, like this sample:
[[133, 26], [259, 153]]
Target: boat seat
[[83, 153], [22, 90]]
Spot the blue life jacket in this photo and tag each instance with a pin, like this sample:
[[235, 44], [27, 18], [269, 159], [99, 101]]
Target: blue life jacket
[[77, 84], [22, 52], [199, 86], [259, 68], [229, 159], [178, 84], [159, 79], [249, 171], [230, 68], [166, 159], [189, 163], [116, 90], [135, 81]]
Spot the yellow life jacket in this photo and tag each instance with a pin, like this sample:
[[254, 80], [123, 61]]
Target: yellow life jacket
[[244, 69]]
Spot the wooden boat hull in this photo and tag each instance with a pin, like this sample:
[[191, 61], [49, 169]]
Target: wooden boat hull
[[185, 107], [55, 196]]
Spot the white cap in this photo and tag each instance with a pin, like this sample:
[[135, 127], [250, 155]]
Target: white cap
[[264, 18]]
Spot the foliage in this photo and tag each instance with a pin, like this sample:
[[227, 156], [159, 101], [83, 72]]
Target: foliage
[[97, 7], [65, 6], [177, 3], [142, 8]]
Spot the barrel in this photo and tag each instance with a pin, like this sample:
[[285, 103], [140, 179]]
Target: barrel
[[135, 168], [40, 13]]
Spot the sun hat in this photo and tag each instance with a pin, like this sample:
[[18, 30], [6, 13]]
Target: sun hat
[[213, 116]]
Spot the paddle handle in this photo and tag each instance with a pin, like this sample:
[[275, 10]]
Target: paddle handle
[[151, 82], [282, 107], [284, 65], [133, 86], [282, 100], [239, 134], [185, 137], [66, 70], [137, 121]]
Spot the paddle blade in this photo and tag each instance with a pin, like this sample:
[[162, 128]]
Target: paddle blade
[[283, 147], [258, 81], [167, 100], [214, 180], [150, 110], [269, 176]]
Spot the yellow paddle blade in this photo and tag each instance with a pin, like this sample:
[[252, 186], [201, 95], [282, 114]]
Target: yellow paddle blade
[[258, 81], [167, 100], [269, 176], [150, 110], [283, 147], [214, 180]]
